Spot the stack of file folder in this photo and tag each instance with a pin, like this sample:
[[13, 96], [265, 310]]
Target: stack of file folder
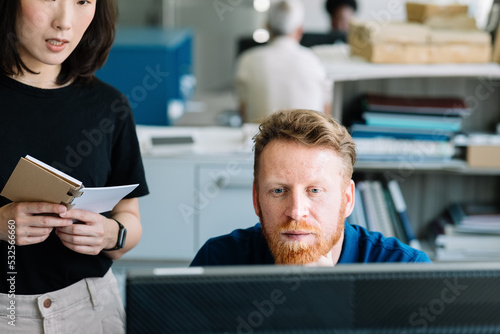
[[395, 128], [381, 207], [467, 231]]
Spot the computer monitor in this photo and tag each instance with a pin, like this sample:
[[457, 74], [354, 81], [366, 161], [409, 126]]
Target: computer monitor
[[369, 298], [308, 39]]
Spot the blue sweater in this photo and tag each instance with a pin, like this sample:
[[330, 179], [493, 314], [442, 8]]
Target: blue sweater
[[248, 246]]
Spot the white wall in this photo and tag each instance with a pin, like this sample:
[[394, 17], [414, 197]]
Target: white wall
[[217, 30], [139, 13], [316, 18]]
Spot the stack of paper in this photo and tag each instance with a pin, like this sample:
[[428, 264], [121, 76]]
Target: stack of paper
[[395, 127], [468, 232]]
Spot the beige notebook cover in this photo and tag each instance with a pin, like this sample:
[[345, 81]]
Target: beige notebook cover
[[35, 181], [31, 182]]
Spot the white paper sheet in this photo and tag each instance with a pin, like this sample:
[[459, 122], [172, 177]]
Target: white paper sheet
[[101, 199]]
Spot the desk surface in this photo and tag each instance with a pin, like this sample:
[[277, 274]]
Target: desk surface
[[208, 141]]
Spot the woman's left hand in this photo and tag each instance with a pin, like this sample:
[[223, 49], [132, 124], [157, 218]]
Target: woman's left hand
[[90, 234]]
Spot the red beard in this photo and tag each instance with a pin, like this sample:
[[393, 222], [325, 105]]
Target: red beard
[[299, 252]]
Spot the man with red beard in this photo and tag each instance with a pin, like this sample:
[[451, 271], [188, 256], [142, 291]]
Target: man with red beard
[[302, 193]]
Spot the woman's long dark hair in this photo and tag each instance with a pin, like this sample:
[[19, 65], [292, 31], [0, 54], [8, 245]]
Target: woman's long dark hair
[[89, 56]]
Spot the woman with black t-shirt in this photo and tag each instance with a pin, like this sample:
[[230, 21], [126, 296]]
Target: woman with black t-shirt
[[56, 276]]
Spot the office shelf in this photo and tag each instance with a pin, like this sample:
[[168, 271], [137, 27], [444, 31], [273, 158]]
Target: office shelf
[[427, 187], [358, 70]]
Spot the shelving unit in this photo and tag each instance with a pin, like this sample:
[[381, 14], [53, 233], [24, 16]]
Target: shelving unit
[[343, 74], [457, 167], [427, 187]]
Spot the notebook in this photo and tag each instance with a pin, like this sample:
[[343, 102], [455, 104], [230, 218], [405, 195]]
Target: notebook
[[34, 181]]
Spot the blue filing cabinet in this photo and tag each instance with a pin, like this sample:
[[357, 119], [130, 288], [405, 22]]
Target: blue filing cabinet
[[147, 65]]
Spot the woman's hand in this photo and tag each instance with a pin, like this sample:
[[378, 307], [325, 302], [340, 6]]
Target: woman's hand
[[93, 232], [33, 221], [90, 234]]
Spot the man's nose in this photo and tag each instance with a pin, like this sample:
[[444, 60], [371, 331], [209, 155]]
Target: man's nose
[[298, 205]]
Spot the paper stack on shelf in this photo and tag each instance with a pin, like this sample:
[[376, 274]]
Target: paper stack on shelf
[[394, 127], [467, 232], [475, 217], [387, 149], [436, 105]]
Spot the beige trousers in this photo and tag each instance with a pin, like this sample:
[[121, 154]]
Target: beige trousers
[[92, 305]]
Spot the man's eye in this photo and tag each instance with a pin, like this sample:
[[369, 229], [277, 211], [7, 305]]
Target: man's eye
[[315, 190], [278, 191]]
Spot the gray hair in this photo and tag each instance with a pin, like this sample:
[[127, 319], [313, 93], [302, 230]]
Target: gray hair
[[285, 17]]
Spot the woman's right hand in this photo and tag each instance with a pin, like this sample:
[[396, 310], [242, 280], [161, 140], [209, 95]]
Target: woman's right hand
[[33, 221]]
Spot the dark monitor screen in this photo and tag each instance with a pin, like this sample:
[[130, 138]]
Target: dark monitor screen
[[369, 298], [309, 39], [312, 38]]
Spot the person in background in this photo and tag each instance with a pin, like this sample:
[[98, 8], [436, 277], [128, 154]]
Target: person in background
[[56, 277], [302, 194], [341, 13], [282, 74]]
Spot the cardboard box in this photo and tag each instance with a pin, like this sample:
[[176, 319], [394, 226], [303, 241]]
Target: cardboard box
[[394, 42], [459, 22], [483, 156], [394, 53], [496, 46], [413, 43], [451, 36], [374, 32], [459, 53], [459, 46], [421, 12]]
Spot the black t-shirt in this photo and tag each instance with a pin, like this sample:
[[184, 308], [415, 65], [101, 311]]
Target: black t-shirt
[[88, 132]]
